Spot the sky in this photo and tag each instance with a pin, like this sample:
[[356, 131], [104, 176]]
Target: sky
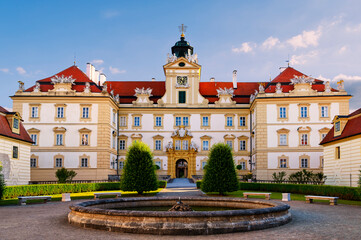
[[129, 40]]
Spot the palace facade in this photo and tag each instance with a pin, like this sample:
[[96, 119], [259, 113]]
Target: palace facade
[[86, 123]]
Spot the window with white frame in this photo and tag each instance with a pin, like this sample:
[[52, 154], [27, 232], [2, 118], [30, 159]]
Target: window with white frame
[[177, 144], [185, 145], [242, 145], [60, 112], [121, 144], [85, 112], [282, 112], [304, 163], [178, 121], [324, 111], [304, 113], [243, 165], [242, 121], [136, 121], [205, 145], [58, 162], [33, 162], [158, 121], [34, 137], [304, 139], [84, 162], [158, 145], [283, 163], [205, 121], [229, 121], [59, 139], [122, 121], [230, 143], [15, 152], [34, 112], [185, 121], [283, 140], [121, 164]]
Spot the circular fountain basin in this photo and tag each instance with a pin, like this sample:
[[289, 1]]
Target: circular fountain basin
[[247, 215]]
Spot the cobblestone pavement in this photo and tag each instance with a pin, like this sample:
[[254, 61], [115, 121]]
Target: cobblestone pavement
[[310, 221]]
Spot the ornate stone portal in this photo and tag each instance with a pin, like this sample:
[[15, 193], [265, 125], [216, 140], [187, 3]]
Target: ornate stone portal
[[182, 154]]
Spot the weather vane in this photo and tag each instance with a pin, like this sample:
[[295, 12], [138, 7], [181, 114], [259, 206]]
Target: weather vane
[[182, 29], [288, 61]]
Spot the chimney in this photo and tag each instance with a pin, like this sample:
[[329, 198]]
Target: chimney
[[92, 73], [153, 79], [89, 70], [96, 77], [212, 79], [102, 79], [234, 79]]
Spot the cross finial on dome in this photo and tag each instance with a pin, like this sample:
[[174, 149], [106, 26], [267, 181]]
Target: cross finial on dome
[[182, 29]]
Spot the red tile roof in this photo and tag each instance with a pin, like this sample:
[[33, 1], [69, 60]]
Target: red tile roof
[[352, 128], [5, 128], [79, 84]]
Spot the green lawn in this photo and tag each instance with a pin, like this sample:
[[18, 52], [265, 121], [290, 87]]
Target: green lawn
[[83, 195], [278, 196]]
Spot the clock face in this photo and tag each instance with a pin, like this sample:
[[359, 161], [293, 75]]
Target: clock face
[[182, 80]]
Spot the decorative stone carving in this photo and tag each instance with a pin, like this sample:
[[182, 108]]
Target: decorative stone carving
[[142, 91], [87, 88], [261, 88], [340, 85], [225, 91], [112, 93], [169, 145], [143, 96], [279, 88], [62, 79], [37, 87], [302, 85], [194, 146], [181, 132], [255, 92], [252, 97], [180, 207], [116, 98], [105, 88], [327, 87], [302, 79], [171, 58], [21, 86]]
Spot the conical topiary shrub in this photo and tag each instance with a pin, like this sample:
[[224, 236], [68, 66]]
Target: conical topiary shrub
[[138, 174], [220, 173]]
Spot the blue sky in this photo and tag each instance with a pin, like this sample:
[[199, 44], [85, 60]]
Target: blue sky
[[129, 40]]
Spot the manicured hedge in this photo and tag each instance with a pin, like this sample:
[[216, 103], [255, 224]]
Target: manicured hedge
[[346, 193], [199, 182], [162, 184]]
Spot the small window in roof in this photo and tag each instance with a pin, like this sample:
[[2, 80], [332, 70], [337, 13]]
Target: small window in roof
[[181, 64]]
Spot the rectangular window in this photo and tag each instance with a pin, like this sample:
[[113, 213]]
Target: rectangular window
[[136, 121], [158, 121], [324, 111], [33, 162], [113, 141], [122, 121], [178, 121], [15, 152], [34, 137], [16, 123], [159, 164], [304, 112], [283, 163], [34, 112], [185, 121], [114, 116], [85, 139], [242, 145], [181, 97], [205, 121], [158, 145], [185, 144], [242, 121], [58, 162], [204, 164], [60, 112], [121, 165], [205, 145], [229, 121], [59, 139], [243, 165], [177, 145], [304, 163], [121, 144], [85, 112], [283, 112], [84, 162], [337, 126], [283, 139], [338, 152], [230, 143], [304, 139]]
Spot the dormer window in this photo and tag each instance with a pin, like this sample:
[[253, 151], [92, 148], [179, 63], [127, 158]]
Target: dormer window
[[337, 126], [16, 123]]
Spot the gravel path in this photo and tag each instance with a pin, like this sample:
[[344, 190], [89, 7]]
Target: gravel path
[[310, 221]]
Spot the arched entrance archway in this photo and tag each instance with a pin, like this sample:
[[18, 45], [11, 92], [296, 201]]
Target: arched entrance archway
[[181, 168]]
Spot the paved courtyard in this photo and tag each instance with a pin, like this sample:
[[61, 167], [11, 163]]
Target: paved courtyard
[[310, 221]]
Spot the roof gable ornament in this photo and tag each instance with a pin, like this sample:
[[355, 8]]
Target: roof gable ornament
[[327, 87], [37, 87], [302, 79], [143, 95], [182, 132], [340, 85], [279, 89], [62, 79], [87, 88], [62, 85], [225, 96], [303, 85]]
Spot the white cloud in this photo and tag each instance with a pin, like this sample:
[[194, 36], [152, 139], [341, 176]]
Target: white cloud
[[97, 61], [21, 70], [110, 14], [355, 28], [306, 39], [342, 50], [303, 58], [4, 70], [246, 48], [116, 70], [320, 77], [270, 42], [347, 78]]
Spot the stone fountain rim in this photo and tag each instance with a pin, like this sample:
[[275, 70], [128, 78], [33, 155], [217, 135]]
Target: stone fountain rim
[[86, 207]]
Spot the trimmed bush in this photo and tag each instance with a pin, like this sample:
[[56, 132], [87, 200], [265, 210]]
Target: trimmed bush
[[346, 193], [50, 189], [162, 184], [220, 175], [198, 183], [279, 177], [64, 175], [139, 174]]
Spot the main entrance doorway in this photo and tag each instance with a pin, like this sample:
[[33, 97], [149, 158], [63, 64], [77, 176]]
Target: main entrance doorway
[[181, 168]]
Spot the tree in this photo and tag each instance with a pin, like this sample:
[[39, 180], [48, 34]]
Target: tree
[[279, 177], [64, 175], [2, 184], [220, 175], [139, 173]]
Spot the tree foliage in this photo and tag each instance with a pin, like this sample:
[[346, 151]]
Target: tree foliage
[[305, 176], [139, 171], [64, 175], [279, 177], [220, 175], [2, 184]]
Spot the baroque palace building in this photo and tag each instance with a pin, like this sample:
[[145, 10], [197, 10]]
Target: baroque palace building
[[85, 123]]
